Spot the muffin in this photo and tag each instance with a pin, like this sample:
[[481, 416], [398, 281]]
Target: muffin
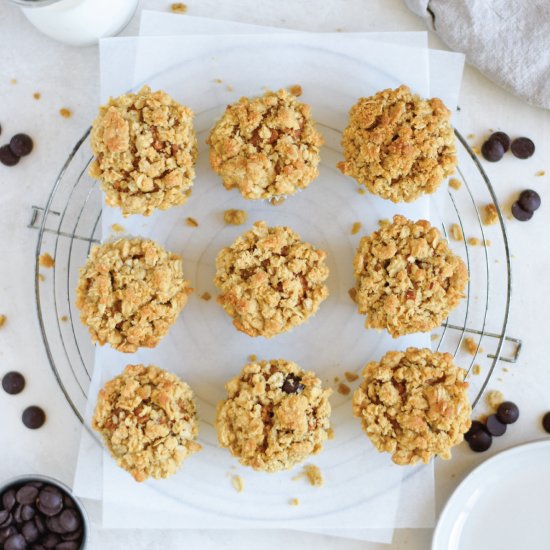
[[130, 292], [406, 278], [145, 150], [275, 416], [270, 281], [146, 417], [414, 405], [266, 146], [398, 145]]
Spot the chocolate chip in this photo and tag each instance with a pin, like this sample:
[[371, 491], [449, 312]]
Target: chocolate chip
[[54, 525], [50, 540], [476, 426], [503, 138], [69, 520], [522, 148], [68, 502], [15, 542], [4, 516], [26, 495], [37, 547], [40, 525], [17, 513], [8, 499], [13, 382], [21, 145], [72, 536], [34, 417], [292, 384], [520, 214], [492, 150], [29, 531], [495, 426], [529, 200], [480, 441], [508, 412], [546, 422], [68, 545], [7, 156], [6, 533], [27, 512], [37, 484]]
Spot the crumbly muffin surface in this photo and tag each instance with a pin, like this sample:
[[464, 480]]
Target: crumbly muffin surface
[[270, 280], [130, 292], [406, 277], [145, 150], [266, 146], [275, 415], [146, 417], [414, 405], [398, 145]]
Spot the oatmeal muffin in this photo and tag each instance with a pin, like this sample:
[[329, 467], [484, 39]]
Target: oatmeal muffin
[[398, 145], [266, 146], [406, 277], [270, 281], [130, 292], [146, 417], [275, 415], [413, 404], [145, 150]]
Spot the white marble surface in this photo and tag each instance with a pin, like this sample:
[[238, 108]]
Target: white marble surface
[[68, 77]]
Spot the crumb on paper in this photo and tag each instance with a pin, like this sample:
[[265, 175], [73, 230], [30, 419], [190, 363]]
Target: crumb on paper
[[473, 241], [41, 277], [64, 318], [456, 232], [296, 90], [476, 150], [229, 88], [343, 389], [476, 369], [505, 369], [352, 294], [470, 136], [350, 376], [218, 80], [355, 228], [37, 95], [494, 398], [238, 483], [336, 379], [361, 190], [490, 214], [117, 228], [46, 261], [499, 379], [191, 222], [434, 337], [330, 433], [314, 475], [487, 242], [178, 7], [455, 184], [3, 320], [206, 296], [294, 502], [65, 113], [234, 216], [277, 201], [252, 358], [470, 346], [13, 81], [540, 173]]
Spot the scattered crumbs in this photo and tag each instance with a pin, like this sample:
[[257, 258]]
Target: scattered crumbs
[[252, 358], [470, 346], [470, 136], [178, 7], [41, 277], [218, 80], [37, 95], [191, 222], [206, 296], [476, 369], [355, 228], [383, 222], [434, 337], [343, 389], [64, 318], [490, 214], [497, 261], [278, 201], [339, 29], [46, 260], [13, 81], [351, 376], [3, 319], [352, 293], [336, 379], [474, 241], [456, 232], [229, 88], [505, 369], [455, 183], [330, 433], [494, 398], [487, 242], [500, 379], [117, 228], [540, 173], [476, 150], [294, 502], [453, 476], [234, 216], [238, 483], [314, 475], [296, 90], [65, 113], [361, 190]]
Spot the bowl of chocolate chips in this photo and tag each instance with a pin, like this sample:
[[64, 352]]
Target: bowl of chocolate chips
[[40, 513]]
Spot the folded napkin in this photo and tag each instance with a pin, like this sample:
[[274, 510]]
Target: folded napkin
[[507, 40]]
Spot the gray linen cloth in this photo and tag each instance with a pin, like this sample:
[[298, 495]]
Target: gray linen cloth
[[507, 40]]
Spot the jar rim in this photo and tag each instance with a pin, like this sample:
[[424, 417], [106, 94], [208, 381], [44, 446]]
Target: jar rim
[[34, 3]]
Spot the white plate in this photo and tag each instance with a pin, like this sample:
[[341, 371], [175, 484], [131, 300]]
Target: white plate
[[502, 505]]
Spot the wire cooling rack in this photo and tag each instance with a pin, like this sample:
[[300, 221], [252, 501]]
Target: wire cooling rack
[[69, 224]]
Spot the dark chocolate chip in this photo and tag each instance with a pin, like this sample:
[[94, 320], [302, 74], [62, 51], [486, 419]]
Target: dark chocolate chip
[[6, 533], [495, 426], [37, 547], [49, 540], [34, 417], [13, 382], [15, 542], [7, 156], [492, 150], [529, 200], [50, 497], [520, 214], [476, 426], [68, 545], [480, 441], [29, 531], [292, 384], [54, 525], [21, 145], [522, 148], [27, 512], [40, 525], [69, 520], [546, 422], [508, 412], [27, 494], [503, 138], [4, 516], [37, 484], [8, 499], [72, 536], [17, 513], [68, 502]]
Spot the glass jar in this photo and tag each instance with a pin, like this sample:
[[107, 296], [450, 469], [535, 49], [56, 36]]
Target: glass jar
[[78, 22]]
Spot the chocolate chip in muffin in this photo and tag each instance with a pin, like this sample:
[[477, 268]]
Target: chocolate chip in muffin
[[292, 384]]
